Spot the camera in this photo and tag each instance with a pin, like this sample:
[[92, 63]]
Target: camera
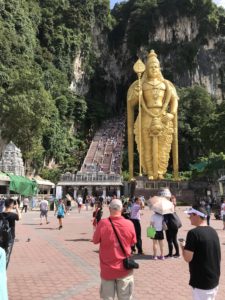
[[16, 202]]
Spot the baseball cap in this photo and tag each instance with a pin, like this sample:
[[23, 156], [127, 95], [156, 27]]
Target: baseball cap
[[200, 211], [116, 204], [164, 192]]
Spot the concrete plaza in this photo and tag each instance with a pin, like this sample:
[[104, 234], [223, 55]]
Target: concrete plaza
[[63, 264]]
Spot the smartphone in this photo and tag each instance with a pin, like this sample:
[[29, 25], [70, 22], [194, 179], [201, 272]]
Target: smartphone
[[181, 240]]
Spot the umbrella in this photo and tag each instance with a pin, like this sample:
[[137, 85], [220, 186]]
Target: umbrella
[[161, 205]]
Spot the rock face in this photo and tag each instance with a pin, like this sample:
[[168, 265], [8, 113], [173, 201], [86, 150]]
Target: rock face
[[188, 56]]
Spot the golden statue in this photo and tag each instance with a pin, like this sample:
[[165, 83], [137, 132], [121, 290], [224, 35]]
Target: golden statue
[[155, 128]]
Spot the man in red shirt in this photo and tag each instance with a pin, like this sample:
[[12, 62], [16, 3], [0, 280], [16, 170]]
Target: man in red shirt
[[115, 279]]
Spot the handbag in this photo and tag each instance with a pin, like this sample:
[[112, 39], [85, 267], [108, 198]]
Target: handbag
[[128, 262], [174, 222], [151, 232]]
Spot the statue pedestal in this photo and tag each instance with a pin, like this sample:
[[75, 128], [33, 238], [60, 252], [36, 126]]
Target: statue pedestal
[[142, 186]]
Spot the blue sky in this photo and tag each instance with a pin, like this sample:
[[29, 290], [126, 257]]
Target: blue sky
[[218, 2]]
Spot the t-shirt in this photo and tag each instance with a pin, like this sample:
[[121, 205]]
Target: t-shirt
[[157, 220], [110, 253], [79, 200], [223, 209], [11, 217], [25, 201], [205, 265], [135, 212], [44, 205]]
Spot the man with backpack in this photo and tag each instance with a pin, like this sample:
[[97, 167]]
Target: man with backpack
[[7, 226]]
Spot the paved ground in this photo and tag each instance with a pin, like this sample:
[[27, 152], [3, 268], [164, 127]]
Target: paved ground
[[64, 264]]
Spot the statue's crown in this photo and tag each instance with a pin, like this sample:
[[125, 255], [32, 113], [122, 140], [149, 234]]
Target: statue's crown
[[152, 57]]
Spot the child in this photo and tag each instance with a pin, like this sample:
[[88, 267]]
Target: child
[[60, 210], [156, 222]]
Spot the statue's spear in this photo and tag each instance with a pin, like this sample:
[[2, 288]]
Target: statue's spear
[[139, 69]]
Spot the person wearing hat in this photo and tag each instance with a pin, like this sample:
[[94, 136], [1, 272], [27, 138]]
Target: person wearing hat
[[202, 251], [171, 232], [115, 279]]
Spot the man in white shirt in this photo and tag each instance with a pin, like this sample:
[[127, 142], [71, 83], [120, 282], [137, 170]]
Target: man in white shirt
[[44, 210], [79, 203], [136, 218], [25, 204]]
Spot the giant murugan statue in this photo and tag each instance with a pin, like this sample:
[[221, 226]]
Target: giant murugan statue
[[155, 128]]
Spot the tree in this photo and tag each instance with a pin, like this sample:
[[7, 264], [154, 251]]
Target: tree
[[196, 110]]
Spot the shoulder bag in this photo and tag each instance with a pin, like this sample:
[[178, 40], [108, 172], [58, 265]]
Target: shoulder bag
[[128, 262], [175, 222]]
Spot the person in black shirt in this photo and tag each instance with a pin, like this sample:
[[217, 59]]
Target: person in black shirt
[[12, 218], [202, 252]]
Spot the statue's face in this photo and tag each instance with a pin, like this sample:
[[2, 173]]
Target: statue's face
[[153, 70]]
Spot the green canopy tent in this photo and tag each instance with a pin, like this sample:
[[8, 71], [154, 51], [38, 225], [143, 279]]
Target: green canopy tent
[[22, 185]]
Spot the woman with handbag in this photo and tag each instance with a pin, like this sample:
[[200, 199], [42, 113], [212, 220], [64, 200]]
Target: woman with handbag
[[171, 221]]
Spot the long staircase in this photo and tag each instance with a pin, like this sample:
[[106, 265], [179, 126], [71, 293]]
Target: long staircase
[[105, 152]]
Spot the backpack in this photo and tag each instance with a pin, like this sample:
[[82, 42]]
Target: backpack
[[174, 222], [5, 232]]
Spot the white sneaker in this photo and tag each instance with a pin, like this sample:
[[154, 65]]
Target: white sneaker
[[155, 258]]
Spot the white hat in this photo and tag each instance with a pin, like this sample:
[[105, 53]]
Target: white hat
[[164, 192], [197, 212], [116, 204]]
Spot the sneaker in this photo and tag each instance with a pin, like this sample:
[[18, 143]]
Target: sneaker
[[155, 257], [161, 257], [47, 222], [168, 256], [140, 253], [40, 223], [176, 256], [60, 227]]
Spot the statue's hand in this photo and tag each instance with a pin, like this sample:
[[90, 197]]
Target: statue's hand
[[168, 117], [138, 89]]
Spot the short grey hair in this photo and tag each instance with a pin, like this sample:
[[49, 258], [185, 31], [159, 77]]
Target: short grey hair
[[116, 205]]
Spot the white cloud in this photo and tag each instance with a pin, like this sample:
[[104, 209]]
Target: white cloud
[[220, 2]]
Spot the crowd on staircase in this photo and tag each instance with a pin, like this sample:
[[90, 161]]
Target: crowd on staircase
[[105, 152]]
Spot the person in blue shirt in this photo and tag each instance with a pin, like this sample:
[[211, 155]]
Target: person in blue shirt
[[60, 211]]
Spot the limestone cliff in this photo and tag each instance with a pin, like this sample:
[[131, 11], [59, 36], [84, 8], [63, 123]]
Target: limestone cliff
[[190, 46]]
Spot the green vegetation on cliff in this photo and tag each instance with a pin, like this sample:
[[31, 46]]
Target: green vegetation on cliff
[[38, 43]]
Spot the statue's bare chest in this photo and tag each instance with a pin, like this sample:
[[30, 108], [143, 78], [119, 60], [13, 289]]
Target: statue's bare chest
[[153, 93]]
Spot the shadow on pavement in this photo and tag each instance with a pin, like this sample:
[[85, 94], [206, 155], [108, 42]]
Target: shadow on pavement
[[49, 228], [78, 240], [142, 257], [29, 224]]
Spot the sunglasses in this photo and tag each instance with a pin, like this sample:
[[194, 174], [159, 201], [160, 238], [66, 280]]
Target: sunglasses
[[192, 214]]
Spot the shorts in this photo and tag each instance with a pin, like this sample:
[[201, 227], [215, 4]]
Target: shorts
[[122, 287], [159, 236], [223, 218], [60, 216], [79, 205], [44, 213], [199, 294]]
